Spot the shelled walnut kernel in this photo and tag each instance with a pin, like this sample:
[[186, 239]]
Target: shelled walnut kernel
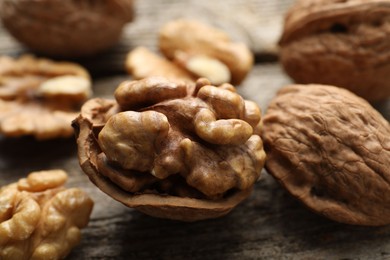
[[39, 218], [40, 97], [173, 150], [193, 50]]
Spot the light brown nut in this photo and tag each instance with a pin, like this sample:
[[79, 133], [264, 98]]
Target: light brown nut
[[331, 150], [66, 28], [39, 218], [193, 44], [142, 63], [341, 43], [173, 152], [40, 97]]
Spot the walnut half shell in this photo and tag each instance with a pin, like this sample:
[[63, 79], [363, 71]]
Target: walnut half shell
[[172, 150]]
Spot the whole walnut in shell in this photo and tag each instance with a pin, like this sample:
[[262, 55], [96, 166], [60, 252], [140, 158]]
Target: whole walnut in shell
[[331, 150], [172, 150], [340, 43], [66, 28], [39, 218]]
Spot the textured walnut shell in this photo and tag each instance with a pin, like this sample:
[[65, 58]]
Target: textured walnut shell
[[66, 28], [198, 197], [340, 43], [331, 150]]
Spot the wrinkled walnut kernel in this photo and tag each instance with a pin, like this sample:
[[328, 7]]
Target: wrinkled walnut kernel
[[184, 40], [189, 144], [193, 50], [40, 97], [39, 218]]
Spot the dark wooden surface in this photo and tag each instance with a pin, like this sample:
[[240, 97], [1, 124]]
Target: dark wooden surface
[[268, 225]]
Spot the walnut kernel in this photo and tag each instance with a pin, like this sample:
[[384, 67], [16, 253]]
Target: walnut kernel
[[40, 97], [39, 218], [173, 150]]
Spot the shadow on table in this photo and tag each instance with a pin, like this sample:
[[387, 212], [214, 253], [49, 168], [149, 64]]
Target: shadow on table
[[19, 156]]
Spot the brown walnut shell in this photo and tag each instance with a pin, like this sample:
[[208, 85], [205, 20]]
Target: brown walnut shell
[[150, 149], [331, 150], [66, 28], [340, 43]]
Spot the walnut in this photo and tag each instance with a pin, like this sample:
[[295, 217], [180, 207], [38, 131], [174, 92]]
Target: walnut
[[66, 28], [331, 150], [39, 218], [40, 97], [142, 63], [172, 150], [193, 50], [341, 43]]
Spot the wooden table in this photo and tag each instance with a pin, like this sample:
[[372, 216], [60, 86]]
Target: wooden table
[[268, 225]]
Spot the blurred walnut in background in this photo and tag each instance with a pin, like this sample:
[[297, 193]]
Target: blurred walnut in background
[[40, 97], [341, 43], [192, 50], [66, 28]]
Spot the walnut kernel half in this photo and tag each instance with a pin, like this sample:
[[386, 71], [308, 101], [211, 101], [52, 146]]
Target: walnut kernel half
[[40, 97], [39, 218], [173, 150]]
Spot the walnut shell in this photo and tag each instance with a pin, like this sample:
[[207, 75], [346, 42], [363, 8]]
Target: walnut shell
[[66, 28], [331, 150], [340, 43], [172, 150]]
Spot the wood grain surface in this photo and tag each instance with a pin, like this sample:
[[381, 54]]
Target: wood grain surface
[[268, 225]]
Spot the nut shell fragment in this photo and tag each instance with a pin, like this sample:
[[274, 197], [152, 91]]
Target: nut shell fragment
[[331, 150], [144, 151]]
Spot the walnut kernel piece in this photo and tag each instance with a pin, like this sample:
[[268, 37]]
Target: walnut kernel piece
[[204, 66], [39, 218], [40, 97], [142, 63], [172, 150], [66, 28], [70, 87], [331, 150], [196, 40], [341, 43]]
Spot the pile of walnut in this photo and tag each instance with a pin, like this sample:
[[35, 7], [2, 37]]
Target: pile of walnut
[[341, 43], [39, 218], [40, 97], [331, 150], [192, 50], [173, 150]]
